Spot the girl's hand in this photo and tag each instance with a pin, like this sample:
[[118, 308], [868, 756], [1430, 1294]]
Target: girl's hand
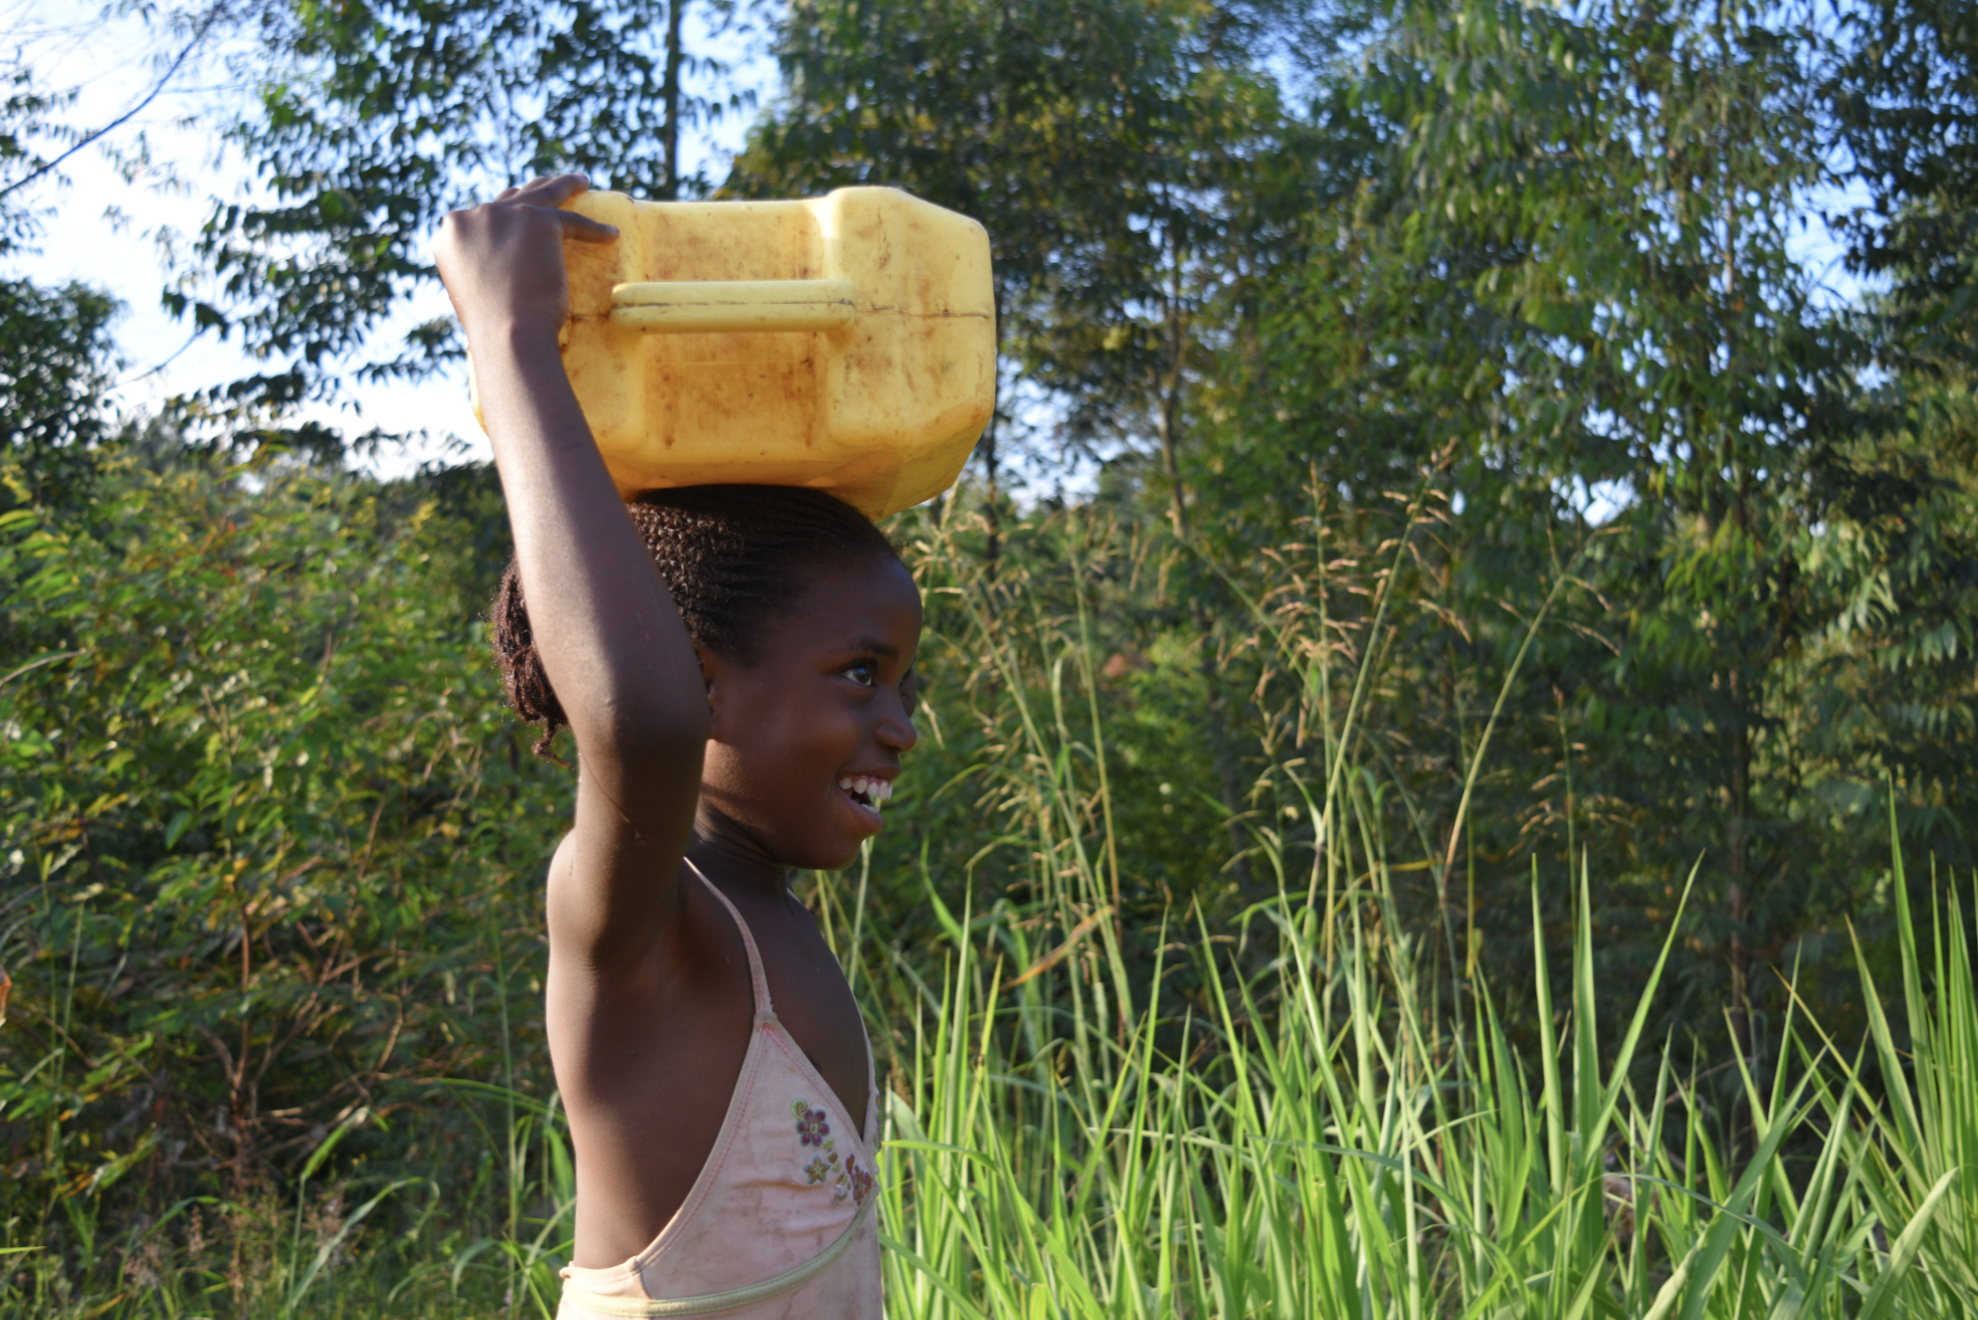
[[502, 261]]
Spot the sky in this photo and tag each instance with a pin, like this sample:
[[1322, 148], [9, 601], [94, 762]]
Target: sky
[[128, 201]]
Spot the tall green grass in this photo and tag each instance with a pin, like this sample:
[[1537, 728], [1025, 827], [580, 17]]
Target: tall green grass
[[1310, 1142], [1308, 1134], [1314, 1145], [1291, 1114]]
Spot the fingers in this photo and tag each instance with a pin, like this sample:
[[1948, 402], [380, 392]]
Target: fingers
[[551, 191], [554, 190], [586, 230]]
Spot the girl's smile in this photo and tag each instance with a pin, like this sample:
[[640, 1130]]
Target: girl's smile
[[866, 793]]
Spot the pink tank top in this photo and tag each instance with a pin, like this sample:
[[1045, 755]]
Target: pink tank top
[[783, 1220]]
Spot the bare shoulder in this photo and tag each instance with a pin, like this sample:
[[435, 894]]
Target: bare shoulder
[[613, 886], [682, 990]]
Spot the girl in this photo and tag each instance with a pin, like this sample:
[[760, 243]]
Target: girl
[[736, 663]]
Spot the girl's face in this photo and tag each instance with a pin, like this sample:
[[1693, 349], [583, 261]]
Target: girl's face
[[806, 742]]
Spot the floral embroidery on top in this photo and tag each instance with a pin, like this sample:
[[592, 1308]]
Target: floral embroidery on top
[[812, 1128], [861, 1180], [846, 1179]]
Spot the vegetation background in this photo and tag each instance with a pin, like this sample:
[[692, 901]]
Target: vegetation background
[[1442, 510]]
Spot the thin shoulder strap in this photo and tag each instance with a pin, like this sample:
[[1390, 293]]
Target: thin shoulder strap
[[758, 982]]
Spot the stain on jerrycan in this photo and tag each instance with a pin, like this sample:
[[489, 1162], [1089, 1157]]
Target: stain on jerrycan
[[846, 343]]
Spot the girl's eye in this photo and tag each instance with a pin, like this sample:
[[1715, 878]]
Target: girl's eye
[[864, 673]]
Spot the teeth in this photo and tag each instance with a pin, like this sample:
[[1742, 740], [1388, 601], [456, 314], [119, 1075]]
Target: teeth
[[876, 790]]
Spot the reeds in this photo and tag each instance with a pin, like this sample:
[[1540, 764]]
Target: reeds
[[1306, 1135], [1311, 1146]]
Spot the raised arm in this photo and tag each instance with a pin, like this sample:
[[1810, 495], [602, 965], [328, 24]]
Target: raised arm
[[608, 634]]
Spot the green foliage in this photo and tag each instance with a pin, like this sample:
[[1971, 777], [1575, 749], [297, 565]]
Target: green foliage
[[1500, 543], [1299, 1128], [52, 379], [1571, 275], [1904, 90], [58, 357], [27, 115], [268, 836]]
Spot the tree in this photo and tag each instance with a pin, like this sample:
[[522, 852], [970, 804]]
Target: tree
[[1564, 267], [58, 354], [1903, 87], [1104, 146], [52, 379], [374, 120]]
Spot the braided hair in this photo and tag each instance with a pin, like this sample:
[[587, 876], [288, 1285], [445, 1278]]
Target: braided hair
[[731, 557]]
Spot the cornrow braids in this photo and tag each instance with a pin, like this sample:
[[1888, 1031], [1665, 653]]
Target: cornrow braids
[[731, 557]]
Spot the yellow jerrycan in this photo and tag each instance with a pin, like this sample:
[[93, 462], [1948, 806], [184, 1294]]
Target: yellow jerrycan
[[846, 343]]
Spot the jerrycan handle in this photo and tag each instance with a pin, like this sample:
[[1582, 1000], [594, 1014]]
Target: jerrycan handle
[[729, 306]]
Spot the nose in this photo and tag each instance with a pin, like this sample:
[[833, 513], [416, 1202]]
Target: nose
[[896, 728]]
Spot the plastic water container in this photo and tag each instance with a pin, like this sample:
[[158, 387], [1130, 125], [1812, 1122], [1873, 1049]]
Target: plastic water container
[[846, 343]]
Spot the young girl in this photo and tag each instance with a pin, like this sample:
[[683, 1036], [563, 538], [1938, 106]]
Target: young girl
[[736, 663]]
